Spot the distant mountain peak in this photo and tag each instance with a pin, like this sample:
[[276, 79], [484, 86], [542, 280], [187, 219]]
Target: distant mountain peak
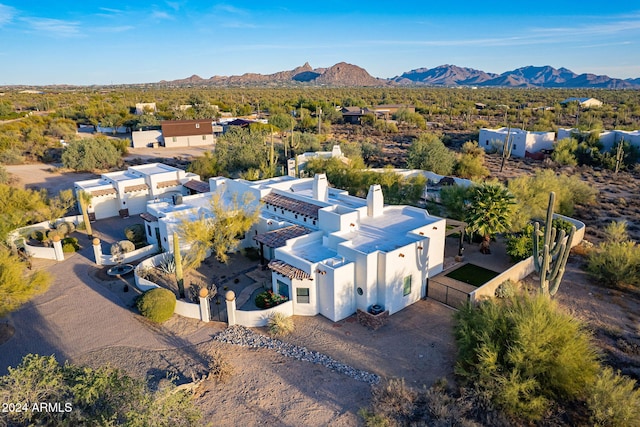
[[346, 74]]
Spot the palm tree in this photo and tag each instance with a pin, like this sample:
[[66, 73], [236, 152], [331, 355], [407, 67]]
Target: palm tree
[[85, 200], [489, 211]]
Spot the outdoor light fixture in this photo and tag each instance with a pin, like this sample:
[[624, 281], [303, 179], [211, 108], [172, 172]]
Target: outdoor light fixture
[[401, 255], [420, 247], [435, 228], [421, 233], [322, 272]]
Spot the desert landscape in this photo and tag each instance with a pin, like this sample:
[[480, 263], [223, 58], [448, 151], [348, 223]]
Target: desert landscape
[[267, 387]]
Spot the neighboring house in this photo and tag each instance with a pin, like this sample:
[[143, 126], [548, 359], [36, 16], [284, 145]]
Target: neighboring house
[[583, 102], [608, 138], [523, 141], [354, 115], [303, 158], [243, 123], [187, 133], [146, 138], [127, 192], [145, 108], [329, 253]]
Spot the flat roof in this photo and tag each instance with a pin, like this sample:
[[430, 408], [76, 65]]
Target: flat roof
[[154, 168], [388, 231], [314, 251]]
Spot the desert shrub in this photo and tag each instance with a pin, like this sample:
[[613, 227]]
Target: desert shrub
[[471, 167], [122, 247], [616, 261], [394, 400], [280, 325], [268, 299], [70, 244], [532, 195], [157, 304], [524, 353], [615, 264], [65, 228], [38, 235], [136, 234], [394, 403], [429, 153], [614, 401], [564, 152], [519, 246], [506, 289], [219, 367]]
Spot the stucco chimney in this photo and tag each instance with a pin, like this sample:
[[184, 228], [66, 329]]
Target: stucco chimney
[[375, 201], [320, 187]]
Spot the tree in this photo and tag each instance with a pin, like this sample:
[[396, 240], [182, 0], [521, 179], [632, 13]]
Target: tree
[[471, 162], [428, 152], [21, 207], [90, 154], [220, 230], [206, 166], [489, 210], [90, 396], [524, 353], [564, 152], [16, 287]]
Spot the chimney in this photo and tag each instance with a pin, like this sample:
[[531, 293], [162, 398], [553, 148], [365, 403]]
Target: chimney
[[320, 187], [375, 201]]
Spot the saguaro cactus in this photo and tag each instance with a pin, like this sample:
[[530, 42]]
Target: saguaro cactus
[[550, 261], [506, 148], [178, 259], [619, 155]]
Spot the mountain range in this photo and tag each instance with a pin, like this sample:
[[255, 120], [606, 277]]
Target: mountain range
[[344, 74]]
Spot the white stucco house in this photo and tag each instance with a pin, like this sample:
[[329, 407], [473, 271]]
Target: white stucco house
[[329, 253], [583, 102], [523, 141], [608, 138], [125, 193], [303, 159]]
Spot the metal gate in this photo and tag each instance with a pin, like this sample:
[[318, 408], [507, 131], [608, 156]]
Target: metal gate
[[217, 308], [450, 294]]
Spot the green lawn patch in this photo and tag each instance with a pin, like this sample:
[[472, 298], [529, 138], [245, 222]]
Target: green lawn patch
[[472, 274]]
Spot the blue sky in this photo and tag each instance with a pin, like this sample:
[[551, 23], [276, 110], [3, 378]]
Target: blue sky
[[112, 42]]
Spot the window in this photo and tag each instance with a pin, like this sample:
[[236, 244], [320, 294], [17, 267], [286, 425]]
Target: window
[[515, 147], [486, 142], [406, 289], [174, 139], [302, 295], [204, 137], [359, 291], [283, 288], [149, 229], [197, 125]]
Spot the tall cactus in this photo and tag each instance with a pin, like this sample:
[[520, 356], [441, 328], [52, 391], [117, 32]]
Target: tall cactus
[[506, 148], [619, 155], [550, 261], [178, 259]]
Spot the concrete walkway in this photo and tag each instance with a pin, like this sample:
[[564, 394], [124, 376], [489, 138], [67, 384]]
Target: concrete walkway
[[79, 313]]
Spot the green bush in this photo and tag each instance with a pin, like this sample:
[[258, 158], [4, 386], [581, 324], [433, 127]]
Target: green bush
[[519, 245], [506, 289], [136, 234], [615, 264], [280, 325], [268, 299], [157, 304], [70, 244], [524, 353], [614, 401]]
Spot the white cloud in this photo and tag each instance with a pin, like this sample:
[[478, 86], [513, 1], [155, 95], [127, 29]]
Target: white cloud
[[6, 14], [56, 27], [157, 14]]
